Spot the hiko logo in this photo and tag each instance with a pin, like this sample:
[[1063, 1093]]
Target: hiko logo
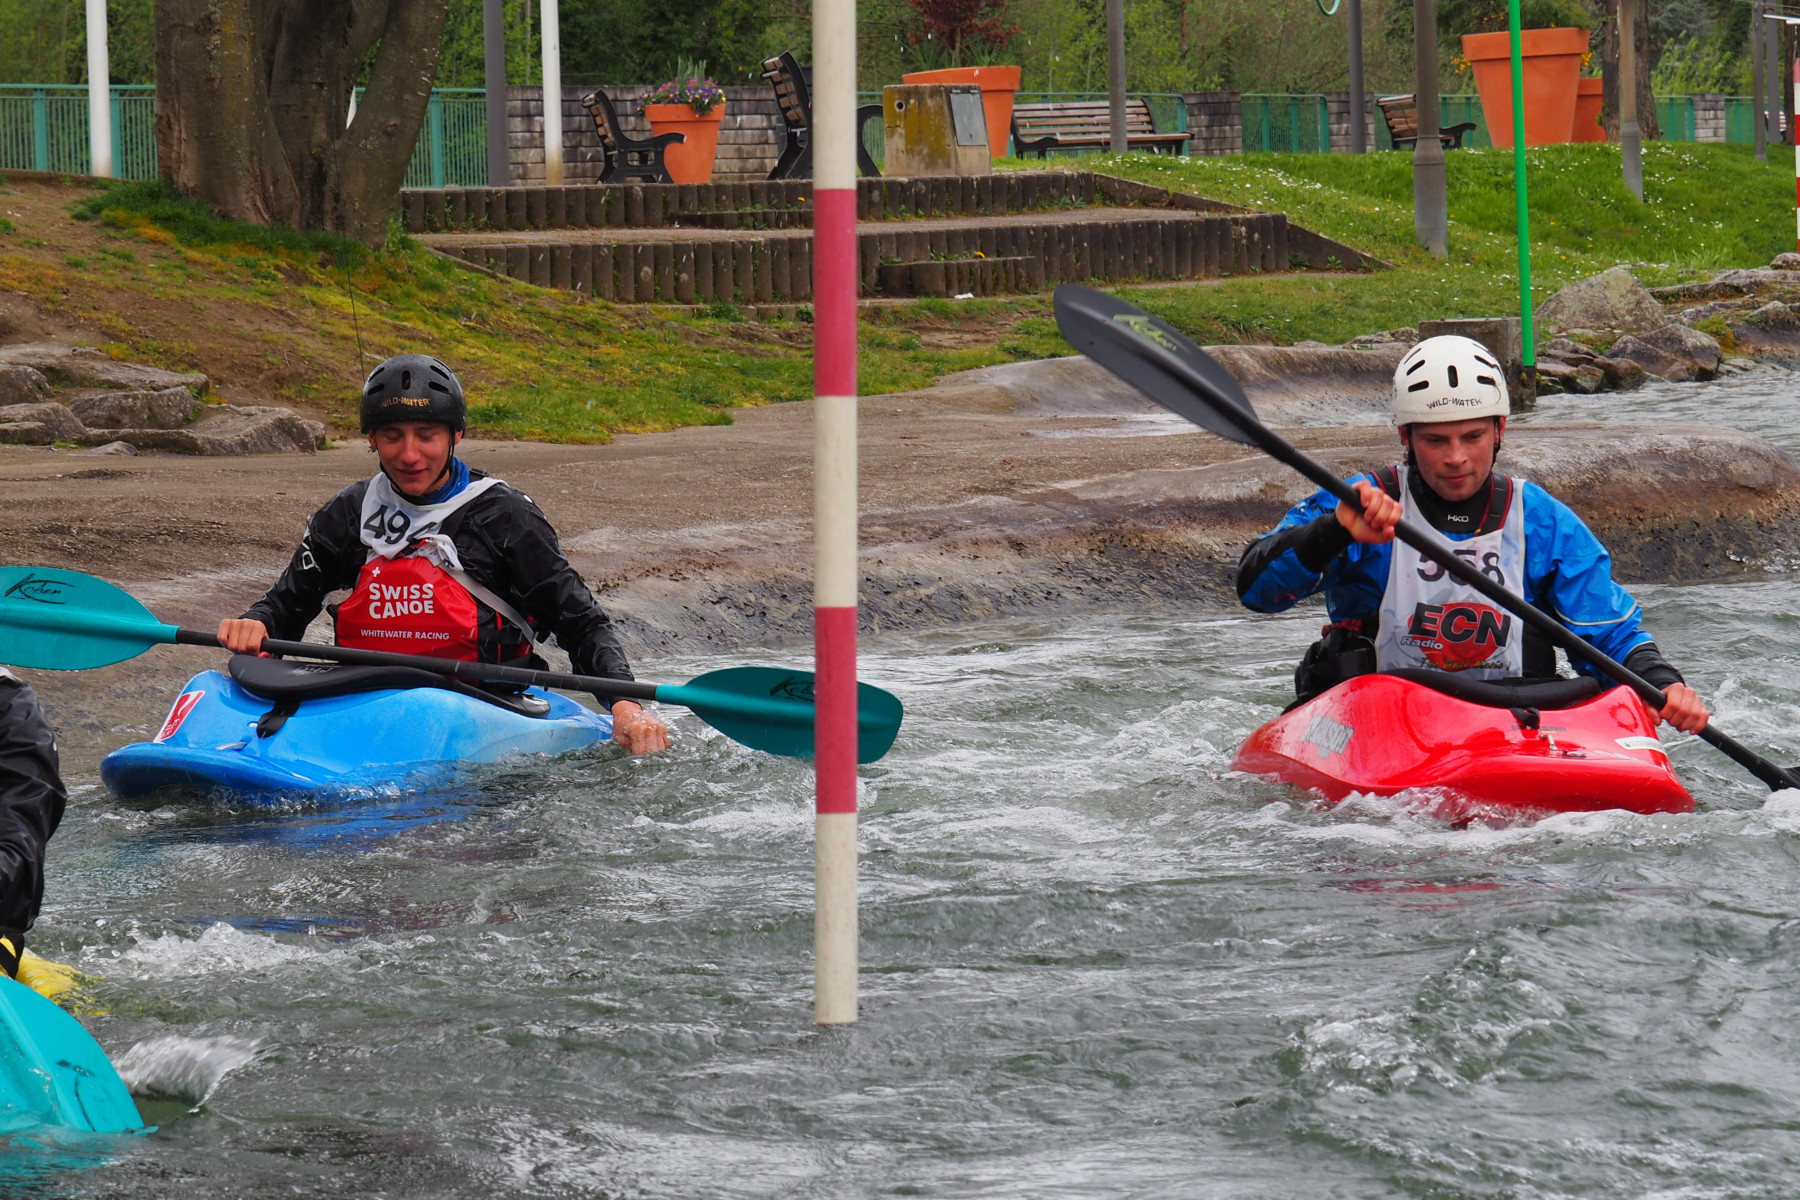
[[1455, 637]]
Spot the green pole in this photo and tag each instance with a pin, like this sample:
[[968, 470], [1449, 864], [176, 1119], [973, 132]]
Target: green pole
[[1527, 343]]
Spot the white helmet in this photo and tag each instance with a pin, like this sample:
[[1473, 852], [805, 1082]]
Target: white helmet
[[1448, 378]]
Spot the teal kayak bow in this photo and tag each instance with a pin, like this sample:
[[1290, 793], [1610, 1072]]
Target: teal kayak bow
[[52, 1072]]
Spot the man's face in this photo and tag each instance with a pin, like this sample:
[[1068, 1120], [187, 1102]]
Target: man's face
[[414, 453], [1455, 458]]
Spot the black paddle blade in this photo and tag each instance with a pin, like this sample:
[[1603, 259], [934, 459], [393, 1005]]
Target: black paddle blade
[[1156, 359]]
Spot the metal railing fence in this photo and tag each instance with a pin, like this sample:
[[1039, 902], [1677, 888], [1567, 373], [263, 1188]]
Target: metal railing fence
[[1288, 122], [45, 128]]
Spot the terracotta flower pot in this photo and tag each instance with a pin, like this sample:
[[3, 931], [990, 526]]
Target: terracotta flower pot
[[1551, 59], [1587, 111], [690, 160], [998, 87]]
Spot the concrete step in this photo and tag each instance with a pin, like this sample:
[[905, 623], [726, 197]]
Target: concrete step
[[776, 268], [776, 204]]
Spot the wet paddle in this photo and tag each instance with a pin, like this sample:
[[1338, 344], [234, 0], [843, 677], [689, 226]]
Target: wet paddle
[[1151, 355], [66, 621]]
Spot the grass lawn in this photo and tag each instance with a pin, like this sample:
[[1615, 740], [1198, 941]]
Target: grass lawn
[[1706, 207], [298, 319]]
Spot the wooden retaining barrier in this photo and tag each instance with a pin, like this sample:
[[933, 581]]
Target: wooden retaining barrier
[[944, 261]]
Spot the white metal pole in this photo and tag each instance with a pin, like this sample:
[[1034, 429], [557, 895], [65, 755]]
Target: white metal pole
[[100, 130], [835, 282], [1795, 66], [553, 140]]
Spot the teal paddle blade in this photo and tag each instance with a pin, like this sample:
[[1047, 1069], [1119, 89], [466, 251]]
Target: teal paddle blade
[[66, 621], [53, 1073], [771, 709]]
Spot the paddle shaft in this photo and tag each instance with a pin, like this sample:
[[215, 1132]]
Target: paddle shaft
[[1433, 548], [489, 672]]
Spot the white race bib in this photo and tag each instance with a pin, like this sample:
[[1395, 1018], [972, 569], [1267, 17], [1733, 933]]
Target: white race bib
[[391, 523], [1430, 620]]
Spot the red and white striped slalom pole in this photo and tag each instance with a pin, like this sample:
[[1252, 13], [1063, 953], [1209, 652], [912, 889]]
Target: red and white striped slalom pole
[[834, 508]]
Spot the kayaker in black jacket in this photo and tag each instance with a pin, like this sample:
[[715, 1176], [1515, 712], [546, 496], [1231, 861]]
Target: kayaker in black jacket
[[1392, 608], [31, 807], [440, 559]]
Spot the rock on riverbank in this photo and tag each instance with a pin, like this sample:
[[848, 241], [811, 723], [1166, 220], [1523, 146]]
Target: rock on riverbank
[[52, 393]]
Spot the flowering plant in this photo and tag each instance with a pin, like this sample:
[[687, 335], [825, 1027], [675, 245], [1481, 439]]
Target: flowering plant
[[690, 87]]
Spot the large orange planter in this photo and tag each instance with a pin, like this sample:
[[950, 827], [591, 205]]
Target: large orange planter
[[998, 87], [1552, 65], [689, 160], [1587, 111]]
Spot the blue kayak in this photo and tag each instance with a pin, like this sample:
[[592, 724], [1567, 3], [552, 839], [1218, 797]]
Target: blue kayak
[[276, 731]]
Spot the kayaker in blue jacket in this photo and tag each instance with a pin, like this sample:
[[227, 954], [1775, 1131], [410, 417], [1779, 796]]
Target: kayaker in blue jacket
[[31, 807], [1390, 607], [439, 558]]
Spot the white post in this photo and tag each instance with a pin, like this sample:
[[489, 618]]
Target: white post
[[835, 282], [552, 35], [100, 130]]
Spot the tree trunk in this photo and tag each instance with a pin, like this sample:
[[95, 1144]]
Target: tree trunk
[[367, 164], [1609, 71], [253, 98], [214, 136]]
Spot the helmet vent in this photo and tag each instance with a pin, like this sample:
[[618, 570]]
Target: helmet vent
[[1487, 379], [1452, 372], [406, 379], [1487, 362], [1419, 386], [1417, 363], [435, 386]]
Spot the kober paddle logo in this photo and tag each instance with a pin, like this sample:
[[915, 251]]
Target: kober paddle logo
[[795, 687], [40, 589], [1455, 637], [1146, 328]]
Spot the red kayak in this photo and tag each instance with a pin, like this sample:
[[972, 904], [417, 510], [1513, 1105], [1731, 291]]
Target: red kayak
[[1510, 747]]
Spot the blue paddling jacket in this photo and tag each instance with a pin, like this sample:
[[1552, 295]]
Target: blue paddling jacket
[[1568, 573]]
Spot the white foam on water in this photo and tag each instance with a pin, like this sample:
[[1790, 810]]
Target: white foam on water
[[220, 950], [188, 1069]]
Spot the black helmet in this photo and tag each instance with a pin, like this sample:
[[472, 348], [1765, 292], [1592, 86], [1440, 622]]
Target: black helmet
[[413, 387]]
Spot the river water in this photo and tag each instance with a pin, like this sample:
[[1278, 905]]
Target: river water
[[1096, 964]]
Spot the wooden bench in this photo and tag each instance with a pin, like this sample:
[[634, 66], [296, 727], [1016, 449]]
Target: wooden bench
[[793, 96], [1402, 116], [1087, 125], [627, 157]]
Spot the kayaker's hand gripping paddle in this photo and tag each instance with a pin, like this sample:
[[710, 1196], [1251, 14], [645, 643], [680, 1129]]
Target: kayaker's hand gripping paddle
[[66, 621], [1152, 356]]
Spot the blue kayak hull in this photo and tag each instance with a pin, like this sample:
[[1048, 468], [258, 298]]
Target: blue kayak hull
[[379, 743]]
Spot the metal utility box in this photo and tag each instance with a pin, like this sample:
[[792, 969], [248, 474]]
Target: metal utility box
[[934, 129]]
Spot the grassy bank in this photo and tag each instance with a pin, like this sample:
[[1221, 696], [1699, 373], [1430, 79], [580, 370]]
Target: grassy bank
[[289, 318], [1705, 207], [298, 319]]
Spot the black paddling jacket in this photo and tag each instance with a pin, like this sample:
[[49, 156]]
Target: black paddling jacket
[[504, 542], [31, 802]]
